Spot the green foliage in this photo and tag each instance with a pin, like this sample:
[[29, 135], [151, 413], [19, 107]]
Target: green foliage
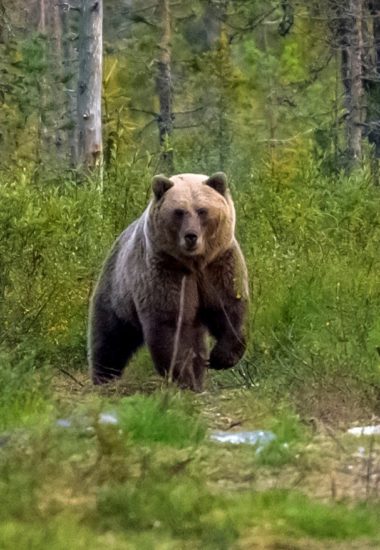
[[26, 105], [47, 243], [94, 484]]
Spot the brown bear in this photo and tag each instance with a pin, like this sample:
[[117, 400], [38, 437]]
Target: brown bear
[[173, 275]]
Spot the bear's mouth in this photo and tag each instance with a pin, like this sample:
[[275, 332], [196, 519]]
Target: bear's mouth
[[191, 250]]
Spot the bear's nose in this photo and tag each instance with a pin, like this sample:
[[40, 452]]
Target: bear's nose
[[191, 239]]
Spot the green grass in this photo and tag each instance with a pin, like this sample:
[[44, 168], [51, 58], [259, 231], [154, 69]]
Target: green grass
[[291, 436], [24, 391], [167, 419], [293, 514]]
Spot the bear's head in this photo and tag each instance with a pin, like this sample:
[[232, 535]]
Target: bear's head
[[192, 216]]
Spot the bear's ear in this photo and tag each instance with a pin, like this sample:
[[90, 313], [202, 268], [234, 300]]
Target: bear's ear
[[161, 184], [218, 181]]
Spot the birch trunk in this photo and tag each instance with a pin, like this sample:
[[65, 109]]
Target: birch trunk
[[42, 21], [89, 94]]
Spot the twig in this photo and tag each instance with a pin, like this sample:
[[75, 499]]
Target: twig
[[369, 467], [252, 25], [71, 376], [178, 329], [333, 485], [202, 108], [331, 434], [152, 113], [186, 126]]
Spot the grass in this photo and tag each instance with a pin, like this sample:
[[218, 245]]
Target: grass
[[293, 514], [24, 395], [154, 480], [165, 419]]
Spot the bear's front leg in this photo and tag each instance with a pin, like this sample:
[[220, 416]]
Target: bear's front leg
[[225, 324], [224, 299], [178, 352], [112, 342]]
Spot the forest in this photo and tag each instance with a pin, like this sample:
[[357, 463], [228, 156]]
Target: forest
[[97, 97]]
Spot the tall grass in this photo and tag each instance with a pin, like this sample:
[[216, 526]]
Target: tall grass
[[24, 396], [311, 245], [164, 419]]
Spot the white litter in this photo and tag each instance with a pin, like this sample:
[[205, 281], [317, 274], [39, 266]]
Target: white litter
[[108, 418], [257, 437], [364, 430]]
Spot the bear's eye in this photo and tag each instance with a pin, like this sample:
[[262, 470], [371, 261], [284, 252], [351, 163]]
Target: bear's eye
[[179, 213], [202, 212]]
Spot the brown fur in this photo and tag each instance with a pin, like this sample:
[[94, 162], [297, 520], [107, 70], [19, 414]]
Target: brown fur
[[173, 275]]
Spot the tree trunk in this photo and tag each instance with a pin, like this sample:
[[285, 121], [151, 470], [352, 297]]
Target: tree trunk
[[42, 21], [70, 74], [352, 76], [89, 95], [58, 60], [3, 24], [348, 18], [356, 108], [373, 79], [223, 68], [164, 87]]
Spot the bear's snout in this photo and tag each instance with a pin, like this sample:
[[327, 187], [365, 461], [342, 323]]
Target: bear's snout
[[191, 239]]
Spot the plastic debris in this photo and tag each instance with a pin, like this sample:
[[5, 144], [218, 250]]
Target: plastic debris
[[103, 418], [108, 418], [257, 437], [364, 430]]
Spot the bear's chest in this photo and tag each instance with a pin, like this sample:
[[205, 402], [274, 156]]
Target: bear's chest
[[167, 292]]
